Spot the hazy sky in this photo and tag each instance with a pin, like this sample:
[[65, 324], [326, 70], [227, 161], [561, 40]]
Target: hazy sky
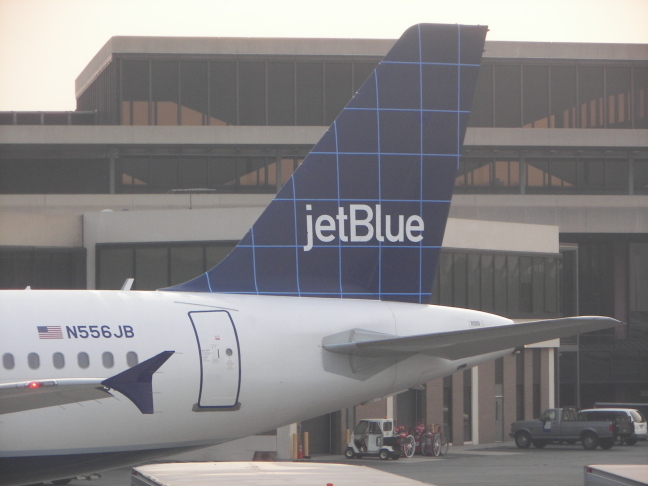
[[45, 44]]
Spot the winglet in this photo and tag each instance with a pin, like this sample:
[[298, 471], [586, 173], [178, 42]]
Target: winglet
[[135, 383]]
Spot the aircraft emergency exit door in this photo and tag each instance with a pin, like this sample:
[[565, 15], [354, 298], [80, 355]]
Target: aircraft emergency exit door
[[220, 361]]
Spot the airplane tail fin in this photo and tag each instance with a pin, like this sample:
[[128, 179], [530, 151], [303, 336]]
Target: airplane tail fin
[[364, 214]]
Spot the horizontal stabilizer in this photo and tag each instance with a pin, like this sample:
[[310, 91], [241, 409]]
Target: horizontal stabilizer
[[465, 343], [136, 382]]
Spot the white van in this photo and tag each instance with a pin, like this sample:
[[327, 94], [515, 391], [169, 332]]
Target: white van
[[637, 419]]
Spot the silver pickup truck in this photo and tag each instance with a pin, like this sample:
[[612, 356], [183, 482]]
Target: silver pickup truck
[[565, 425]]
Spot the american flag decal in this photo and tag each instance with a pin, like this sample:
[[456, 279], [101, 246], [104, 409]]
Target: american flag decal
[[50, 332]]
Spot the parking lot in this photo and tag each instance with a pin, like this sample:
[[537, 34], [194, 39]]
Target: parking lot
[[492, 464]]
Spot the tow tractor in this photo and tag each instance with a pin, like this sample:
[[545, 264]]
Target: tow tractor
[[379, 438]]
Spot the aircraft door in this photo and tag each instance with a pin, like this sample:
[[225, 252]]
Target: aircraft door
[[220, 361]]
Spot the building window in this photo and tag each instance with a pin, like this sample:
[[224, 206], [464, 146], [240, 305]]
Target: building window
[[42, 268], [535, 102], [640, 176], [156, 265], [638, 283], [135, 93], [488, 174], [222, 174], [310, 93], [193, 93], [591, 97], [508, 96], [64, 175], [281, 93], [512, 285]]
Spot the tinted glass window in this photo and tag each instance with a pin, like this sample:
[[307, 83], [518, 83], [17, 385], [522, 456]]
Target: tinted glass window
[[640, 83], [151, 268], [563, 97], [115, 265], [193, 93], [252, 93], [618, 85], [535, 83], [281, 93], [165, 92], [508, 89], [135, 92], [590, 96], [310, 94], [481, 114], [223, 93], [337, 89]]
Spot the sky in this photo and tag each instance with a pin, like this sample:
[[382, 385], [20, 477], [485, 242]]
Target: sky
[[45, 44]]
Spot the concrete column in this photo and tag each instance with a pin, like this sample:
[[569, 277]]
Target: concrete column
[[510, 393], [528, 384], [486, 402], [284, 441], [552, 376], [457, 409], [546, 379], [474, 405], [371, 410], [434, 402]]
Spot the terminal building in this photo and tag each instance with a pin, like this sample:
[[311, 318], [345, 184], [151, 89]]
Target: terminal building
[[178, 144]]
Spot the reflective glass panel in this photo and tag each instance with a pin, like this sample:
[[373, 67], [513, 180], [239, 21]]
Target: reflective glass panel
[[508, 91], [563, 97], [223, 93], [281, 93], [310, 93], [151, 268], [252, 93], [193, 92], [165, 92], [535, 84]]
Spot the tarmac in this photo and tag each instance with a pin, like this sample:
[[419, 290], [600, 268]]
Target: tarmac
[[501, 464]]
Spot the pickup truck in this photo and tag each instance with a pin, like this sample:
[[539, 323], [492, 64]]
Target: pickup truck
[[565, 425]]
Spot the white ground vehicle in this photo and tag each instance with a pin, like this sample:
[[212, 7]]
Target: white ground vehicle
[[378, 438], [638, 421]]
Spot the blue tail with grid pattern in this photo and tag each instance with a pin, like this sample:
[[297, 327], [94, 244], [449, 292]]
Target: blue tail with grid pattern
[[364, 214]]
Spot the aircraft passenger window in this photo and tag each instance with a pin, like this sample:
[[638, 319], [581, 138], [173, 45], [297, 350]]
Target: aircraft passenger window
[[83, 359], [108, 359], [58, 360], [8, 361], [33, 360], [131, 358]]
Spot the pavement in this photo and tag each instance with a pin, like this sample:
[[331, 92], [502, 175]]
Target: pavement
[[500, 464]]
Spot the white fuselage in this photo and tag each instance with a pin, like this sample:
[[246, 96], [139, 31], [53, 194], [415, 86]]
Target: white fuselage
[[279, 379]]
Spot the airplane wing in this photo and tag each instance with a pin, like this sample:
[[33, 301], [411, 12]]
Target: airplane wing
[[134, 383], [465, 343]]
